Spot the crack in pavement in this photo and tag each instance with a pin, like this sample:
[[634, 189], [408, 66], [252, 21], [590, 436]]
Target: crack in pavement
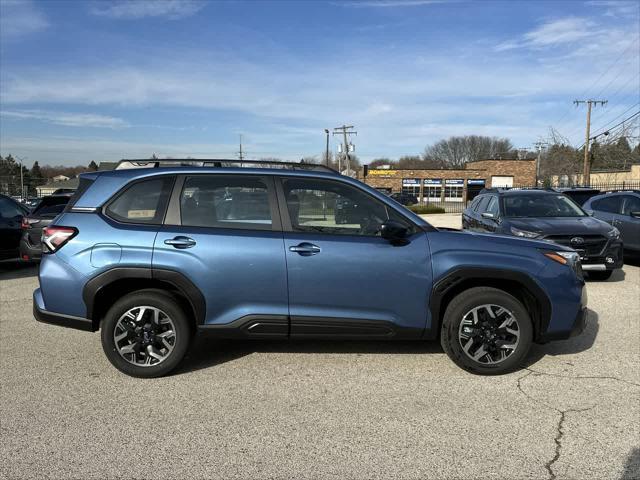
[[559, 427], [583, 377]]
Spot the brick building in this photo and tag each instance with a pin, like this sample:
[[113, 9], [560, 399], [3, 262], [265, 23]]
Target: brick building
[[451, 185]]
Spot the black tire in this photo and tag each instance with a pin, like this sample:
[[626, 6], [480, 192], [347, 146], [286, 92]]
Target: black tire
[[600, 276], [464, 303], [150, 298]]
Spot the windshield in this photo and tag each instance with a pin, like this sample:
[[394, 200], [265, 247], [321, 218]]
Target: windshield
[[541, 206]]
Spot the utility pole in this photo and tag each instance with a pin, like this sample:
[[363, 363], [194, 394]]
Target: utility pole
[[240, 152], [539, 144], [345, 130], [326, 152], [587, 164]]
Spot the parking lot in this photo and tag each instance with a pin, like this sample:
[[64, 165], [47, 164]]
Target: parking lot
[[321, 409]]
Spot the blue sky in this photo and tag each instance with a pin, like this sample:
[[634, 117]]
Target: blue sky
[[108, 79]]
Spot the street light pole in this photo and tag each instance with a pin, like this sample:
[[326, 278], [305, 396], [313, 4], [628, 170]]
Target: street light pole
[[21, 178], [326, 153]]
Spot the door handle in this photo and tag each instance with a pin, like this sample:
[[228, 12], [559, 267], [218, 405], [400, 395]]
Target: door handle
[[180, 242], [305, 249]]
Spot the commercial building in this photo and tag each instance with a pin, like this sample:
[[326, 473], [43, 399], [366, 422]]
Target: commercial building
[[453, 185]]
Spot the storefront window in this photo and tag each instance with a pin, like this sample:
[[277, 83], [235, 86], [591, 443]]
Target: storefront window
[[454, 190], [432, 188], [411, 186]]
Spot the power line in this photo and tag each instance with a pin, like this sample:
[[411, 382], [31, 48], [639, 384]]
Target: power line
[[617, 117], [614, 127]]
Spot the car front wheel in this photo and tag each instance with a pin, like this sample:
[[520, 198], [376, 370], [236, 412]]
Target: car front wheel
[[145, 334], [486, 331]]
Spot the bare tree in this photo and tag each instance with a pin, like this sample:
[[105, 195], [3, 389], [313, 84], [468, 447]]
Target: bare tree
[[455, 152]]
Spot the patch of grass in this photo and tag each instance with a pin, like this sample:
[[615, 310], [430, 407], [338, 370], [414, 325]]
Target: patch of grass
[[425, 209]]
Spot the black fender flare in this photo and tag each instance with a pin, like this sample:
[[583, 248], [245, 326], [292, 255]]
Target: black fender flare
[[454, 277], [176, 279]]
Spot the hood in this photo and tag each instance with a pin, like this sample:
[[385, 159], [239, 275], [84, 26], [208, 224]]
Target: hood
[[507, 241], [561, 225]]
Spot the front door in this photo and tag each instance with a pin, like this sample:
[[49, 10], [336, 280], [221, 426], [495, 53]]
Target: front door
[[629, 225], [344, 279], [223, 233]]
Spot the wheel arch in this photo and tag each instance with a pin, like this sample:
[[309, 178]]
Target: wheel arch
[[515, 283], [101, 291]]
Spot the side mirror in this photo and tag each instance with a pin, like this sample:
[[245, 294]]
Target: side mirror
[[488, 215], [635, 214], [394, 231]]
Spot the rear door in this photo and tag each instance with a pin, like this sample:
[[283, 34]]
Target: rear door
[[344, 279], [223, 233], [630, 226]]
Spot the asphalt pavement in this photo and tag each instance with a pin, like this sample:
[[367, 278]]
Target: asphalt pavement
[[321, 409]]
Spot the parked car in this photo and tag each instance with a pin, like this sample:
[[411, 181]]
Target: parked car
[[548, 215], [404, 198], [31, 202], [579, 194], [146, 257], [34, 222], [622, 210], [61, 191], [11, 213]]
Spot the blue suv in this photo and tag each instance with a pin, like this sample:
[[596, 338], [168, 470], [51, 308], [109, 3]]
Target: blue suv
[[153, 256]]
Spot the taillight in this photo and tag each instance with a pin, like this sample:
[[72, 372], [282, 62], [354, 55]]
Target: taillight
[[54, 238], [27, 222]]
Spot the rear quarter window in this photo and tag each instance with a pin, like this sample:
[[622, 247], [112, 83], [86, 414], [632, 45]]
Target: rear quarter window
[[142, 202]]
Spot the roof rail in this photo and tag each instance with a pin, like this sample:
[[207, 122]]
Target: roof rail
[[219, 163]]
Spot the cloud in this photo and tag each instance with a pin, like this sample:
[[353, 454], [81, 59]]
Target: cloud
[[389, 3], [617, 8], [67, 119], [19, 18], [136, 9], [561, 31]]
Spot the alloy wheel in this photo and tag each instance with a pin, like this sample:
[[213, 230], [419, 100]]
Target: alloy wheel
[[489, 334], [144, 336]]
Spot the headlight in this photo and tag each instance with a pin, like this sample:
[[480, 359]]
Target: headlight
[[614, 233], [570, 259], [524, 233]]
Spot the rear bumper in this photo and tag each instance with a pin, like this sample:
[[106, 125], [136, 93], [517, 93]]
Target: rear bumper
[[52, 318]]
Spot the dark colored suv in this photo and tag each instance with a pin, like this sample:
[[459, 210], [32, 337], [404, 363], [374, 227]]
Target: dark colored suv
[[151, 256], [551, 216]]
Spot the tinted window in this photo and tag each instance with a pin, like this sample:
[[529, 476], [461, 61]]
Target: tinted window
[[335, 208], [226, 202], [85, 183], [631, 204], [142, 202], [607, 204], [482, 204], [51, 206], [537, 205], [492, 206], [8, 209], [475, 203]]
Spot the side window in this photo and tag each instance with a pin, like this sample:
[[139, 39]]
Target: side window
[[8, 209], [225, 201], [482, 204], [143, 202], [492, 206], [631, 204], [335, 208], [607, 204], [474, 203]]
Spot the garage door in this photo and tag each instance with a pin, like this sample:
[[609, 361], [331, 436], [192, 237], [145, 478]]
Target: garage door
[[498, 181]]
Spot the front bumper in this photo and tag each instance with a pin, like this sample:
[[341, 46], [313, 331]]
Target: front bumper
[[611, 258], [52, 318], [576, 327]]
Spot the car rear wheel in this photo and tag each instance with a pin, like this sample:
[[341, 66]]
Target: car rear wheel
[[600, 276], [145, 334], [486, 331]]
